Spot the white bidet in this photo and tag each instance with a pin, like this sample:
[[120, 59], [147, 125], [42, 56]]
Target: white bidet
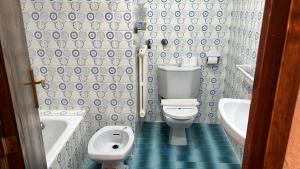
[[111, 145]]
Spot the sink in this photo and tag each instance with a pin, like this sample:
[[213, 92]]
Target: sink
[[233, 116]]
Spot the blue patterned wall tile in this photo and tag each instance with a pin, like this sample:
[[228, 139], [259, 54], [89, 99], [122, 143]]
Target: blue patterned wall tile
[[192, 29], [79, 48]]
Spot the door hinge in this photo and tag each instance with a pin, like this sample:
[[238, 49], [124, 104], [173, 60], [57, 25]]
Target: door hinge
[[10, 145]]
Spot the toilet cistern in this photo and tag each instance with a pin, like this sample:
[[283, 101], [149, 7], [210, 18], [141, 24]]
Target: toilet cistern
[[178, 82]]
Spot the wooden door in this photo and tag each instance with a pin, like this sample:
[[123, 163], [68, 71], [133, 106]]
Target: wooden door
[[286, 93], [18, 111], [275, 87], [8, 127]]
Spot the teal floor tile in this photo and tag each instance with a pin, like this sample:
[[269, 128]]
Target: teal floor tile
[[208, 148]]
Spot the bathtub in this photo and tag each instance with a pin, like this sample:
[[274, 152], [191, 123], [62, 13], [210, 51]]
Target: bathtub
[[233, 116], [57, 131]]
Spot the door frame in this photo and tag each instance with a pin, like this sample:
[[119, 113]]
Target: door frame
[[273, 92], [16, 91], [7, 118], [275, 87]]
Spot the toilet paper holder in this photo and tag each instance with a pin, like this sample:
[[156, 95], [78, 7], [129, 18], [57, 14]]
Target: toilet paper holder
[[211, 60]]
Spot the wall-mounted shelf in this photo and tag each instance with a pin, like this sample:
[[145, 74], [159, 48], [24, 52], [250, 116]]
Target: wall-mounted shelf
[[246, 70]]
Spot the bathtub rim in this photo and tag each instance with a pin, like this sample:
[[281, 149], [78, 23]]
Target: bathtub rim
[[235, 132], [72, 123]]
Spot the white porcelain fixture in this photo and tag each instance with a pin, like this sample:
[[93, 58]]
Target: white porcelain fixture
[[57, 131], [179, 87], [179, 82], [111, 145], [233, 115]]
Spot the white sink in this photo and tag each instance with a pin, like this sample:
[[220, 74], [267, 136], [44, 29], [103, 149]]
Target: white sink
[[233, 116]]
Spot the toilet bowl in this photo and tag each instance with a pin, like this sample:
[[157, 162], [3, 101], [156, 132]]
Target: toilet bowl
[[179, 114], [111, 145]]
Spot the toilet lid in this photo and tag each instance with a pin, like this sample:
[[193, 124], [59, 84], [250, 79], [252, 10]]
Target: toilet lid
[[180, 113]]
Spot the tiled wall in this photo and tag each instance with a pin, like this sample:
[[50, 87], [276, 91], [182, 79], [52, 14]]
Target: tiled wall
[[246, 19], [192, 28], [84, 51], [245, 27]]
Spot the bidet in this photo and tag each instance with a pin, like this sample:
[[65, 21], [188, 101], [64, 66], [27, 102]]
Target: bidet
[[111, 145]]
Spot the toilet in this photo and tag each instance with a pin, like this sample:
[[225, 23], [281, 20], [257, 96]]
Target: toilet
[[178, 88], [179, 114], [111, 145]]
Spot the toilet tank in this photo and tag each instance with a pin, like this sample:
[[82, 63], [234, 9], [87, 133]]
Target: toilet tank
[[178, 82]]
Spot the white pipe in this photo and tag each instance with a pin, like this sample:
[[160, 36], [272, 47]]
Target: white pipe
[[143, 74], [241, 68]]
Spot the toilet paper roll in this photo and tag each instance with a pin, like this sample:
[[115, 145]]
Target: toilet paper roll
[[212, 60]]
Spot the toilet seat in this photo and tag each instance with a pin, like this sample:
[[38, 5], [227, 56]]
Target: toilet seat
[[180, 102], [181, 109], [180, 113]]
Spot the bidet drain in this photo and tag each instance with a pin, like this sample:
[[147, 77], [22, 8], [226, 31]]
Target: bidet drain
[[115, 146]]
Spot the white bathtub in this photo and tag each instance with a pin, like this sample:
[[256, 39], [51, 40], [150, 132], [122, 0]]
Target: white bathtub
[[57, 131], [233, 116]]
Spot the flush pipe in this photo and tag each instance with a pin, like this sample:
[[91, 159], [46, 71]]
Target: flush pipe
[[179, 62]]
